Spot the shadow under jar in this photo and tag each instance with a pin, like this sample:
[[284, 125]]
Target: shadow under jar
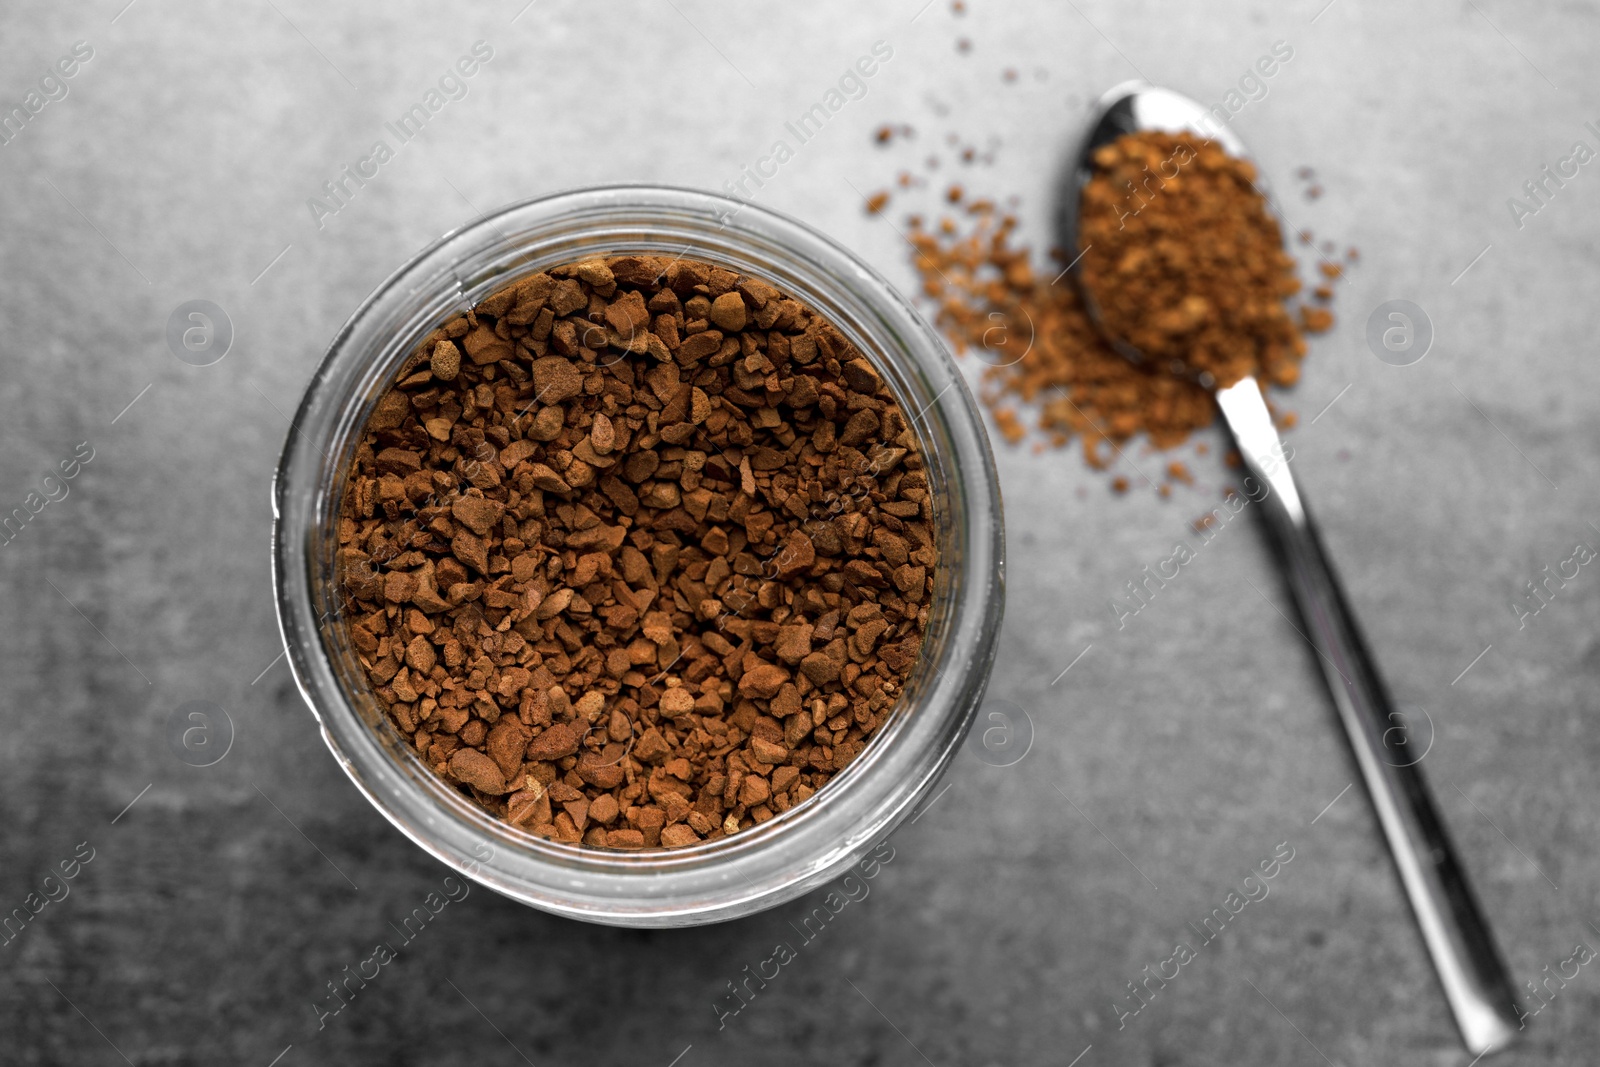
[[795, 850]]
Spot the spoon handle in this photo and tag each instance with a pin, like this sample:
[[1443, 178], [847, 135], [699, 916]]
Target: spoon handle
[[1470, 970]]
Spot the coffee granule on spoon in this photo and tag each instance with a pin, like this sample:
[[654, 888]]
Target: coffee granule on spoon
[[638, 552], [1186, 262], [1043, 351]]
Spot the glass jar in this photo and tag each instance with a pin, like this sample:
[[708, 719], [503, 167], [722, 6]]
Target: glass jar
[[796, 849]]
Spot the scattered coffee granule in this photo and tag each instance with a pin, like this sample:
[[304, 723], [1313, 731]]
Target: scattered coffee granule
[[886, 133], [638, 552], [1186, 261], [1315, 319], [877, 202], [1313, 188], [1010, 426], [1040, 343]]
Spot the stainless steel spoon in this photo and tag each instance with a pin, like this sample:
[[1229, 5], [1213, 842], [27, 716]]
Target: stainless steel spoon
[[1470, 970]]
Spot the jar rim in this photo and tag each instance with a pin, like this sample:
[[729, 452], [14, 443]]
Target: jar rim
[[792, 852]]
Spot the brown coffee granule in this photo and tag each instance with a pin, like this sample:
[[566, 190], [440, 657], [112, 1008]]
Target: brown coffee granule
[[883, 135], [1186, 261], [638, 552], [1315, 319], [1041, 345]]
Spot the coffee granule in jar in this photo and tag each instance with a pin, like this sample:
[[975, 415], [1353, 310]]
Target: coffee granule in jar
[[1186, 261], [638, 552]]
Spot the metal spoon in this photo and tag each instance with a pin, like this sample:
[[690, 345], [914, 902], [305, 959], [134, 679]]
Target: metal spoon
[[1470, 970]]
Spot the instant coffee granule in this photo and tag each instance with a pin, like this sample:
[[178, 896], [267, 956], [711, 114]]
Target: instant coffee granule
[[1044, 351], [1186, 262], [638, 552], [1041, 347]]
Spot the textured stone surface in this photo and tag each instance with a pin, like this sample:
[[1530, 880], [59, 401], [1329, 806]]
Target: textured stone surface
[[1196, 739]]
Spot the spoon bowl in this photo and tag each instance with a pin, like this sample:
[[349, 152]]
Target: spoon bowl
[[1136, 107]]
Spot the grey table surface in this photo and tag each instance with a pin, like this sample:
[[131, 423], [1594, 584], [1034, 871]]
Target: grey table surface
[[1191, 742]]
